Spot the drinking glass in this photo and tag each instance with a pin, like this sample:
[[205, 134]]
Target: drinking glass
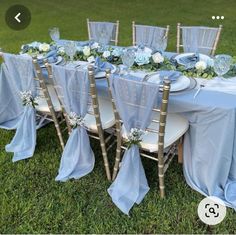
[[222, 64], [128, 57], [70, 50], [54, 34]]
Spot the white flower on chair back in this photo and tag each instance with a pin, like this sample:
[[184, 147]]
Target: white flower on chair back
[[134, 137], [157, 58], [28, 99], [75, 120]]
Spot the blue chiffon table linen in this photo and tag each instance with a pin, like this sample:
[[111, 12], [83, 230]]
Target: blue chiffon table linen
[[210, 143], [73, 89], [134, 102]]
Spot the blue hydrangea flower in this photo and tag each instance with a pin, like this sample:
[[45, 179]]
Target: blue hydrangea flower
[[142, 58]]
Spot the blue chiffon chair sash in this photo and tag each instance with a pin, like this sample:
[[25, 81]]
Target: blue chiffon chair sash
[[72, 87], [199, 39], [134, 101], [102, 32], [21, 73], [151, 36]]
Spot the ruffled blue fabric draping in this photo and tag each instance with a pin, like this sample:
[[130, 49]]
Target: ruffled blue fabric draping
[[131, 185], [151, 36], [198, 39], [21, 69], [73, 89], [102, 32], [10, 104], [210, 144]]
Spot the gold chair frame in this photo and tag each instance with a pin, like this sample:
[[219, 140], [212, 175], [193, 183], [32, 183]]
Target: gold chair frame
[[100, 134], [213, 49], [115, 40], [163, 158], [134, 31]]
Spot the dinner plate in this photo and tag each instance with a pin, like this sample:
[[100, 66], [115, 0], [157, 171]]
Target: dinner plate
[[182, 82], [202, 57]]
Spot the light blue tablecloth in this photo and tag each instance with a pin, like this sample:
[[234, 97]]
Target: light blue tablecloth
[[210, 143]]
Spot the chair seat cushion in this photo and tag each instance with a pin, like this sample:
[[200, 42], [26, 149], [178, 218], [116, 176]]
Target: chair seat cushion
[[176, 126], [106, 115], [42, 103]]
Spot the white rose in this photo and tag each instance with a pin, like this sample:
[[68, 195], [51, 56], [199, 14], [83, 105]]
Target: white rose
[[157, 58], [95, 45], [91, 59], [106, 54], [44, 47], [86, 51], [201, 65]]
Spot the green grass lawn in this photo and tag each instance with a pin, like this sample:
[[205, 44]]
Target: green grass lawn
[[30, 199]]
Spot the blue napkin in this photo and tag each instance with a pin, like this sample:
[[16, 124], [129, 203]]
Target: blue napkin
[[189, 60], [101, 65], [172, 75], [51, 56]]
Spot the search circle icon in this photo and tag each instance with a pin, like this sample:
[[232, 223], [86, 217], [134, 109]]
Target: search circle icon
[[211, 210]]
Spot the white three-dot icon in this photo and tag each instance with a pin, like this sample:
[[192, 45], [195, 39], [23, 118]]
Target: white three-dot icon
[[217, 17]]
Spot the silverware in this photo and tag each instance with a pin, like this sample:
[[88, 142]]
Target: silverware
[[199, 89]]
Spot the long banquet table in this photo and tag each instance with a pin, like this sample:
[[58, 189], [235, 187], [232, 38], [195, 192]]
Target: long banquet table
[[210, 143]]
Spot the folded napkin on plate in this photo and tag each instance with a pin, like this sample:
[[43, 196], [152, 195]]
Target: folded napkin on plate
[[51, 56], [172, 76], [189, 60], [101, 65]]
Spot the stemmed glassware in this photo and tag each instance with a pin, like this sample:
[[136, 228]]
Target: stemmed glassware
[[54, 34], [222, 64], [70, 50], [128, 57]]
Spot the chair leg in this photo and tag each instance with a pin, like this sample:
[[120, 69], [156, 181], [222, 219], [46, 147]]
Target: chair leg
[[161, 173], [161, 181], [104, 155], [117, 162], [59, 134], [180, 151]]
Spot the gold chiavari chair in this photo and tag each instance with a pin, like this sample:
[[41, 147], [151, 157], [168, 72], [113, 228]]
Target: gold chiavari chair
[[136, 26], [99, 120], [163, 138], [48, 103], [202, 44], [115, 32]]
